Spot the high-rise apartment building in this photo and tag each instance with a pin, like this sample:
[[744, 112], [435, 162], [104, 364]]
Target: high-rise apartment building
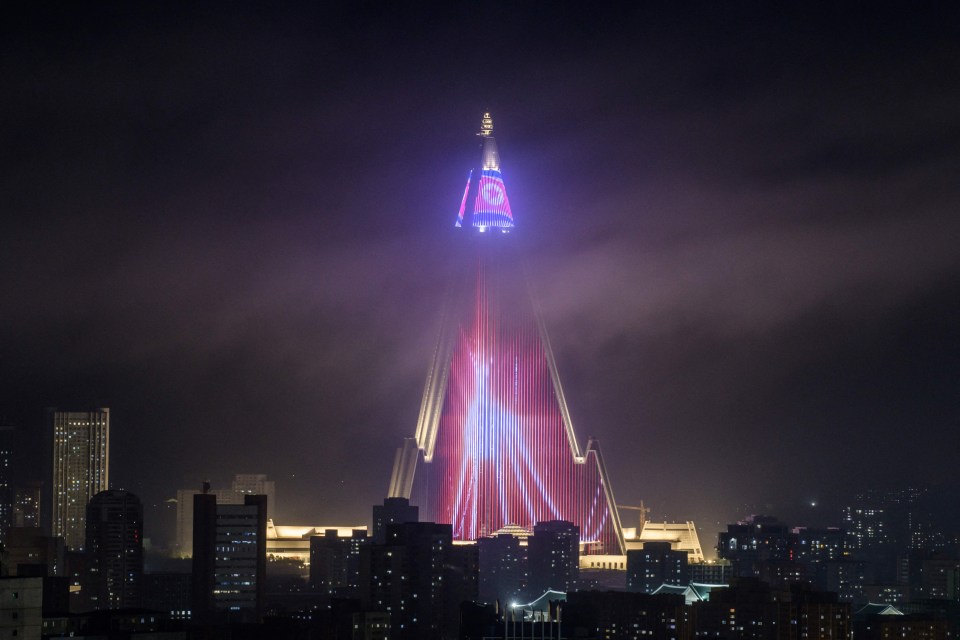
[[412, 578], [169, 592], [7, 491], [335, 562], [244, 484], [21, 607], [392, 511], [553, 556], [756, 541], [26, 505], [888, 521], [494, 443], [503, 568], [256, 484], [819, 544], [114, 550], [712, 572], [81, 458], [655, 565], [750, 610], [624, 615], [229, 559]]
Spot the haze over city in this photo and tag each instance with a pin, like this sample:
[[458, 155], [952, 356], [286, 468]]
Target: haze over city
[[231, 226]]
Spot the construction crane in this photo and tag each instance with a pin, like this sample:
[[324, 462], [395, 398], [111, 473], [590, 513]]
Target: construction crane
[[644, 511]]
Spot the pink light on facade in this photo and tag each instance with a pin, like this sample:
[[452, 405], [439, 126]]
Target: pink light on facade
[[463, 202], [492, 208], [502, 453], [495, 444]]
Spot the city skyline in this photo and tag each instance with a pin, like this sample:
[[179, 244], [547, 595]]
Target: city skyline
[[233, 230]]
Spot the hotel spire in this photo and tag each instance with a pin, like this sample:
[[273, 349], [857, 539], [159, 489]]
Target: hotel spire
[[494, 445], [485, 205]]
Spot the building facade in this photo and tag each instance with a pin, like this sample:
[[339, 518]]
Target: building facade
[[21, 607], [114, 548], [624, 616], [413, 578], [494, 443], [229, 559], [553, 557], [81, 465], [168, 592], [6, 488], [26, 505], [503, 569], [655, 565], [335, 562], [392, 511], [243, 484]]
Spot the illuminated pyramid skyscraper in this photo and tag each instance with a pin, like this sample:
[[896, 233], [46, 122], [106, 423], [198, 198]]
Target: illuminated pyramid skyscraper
[[495, 445]]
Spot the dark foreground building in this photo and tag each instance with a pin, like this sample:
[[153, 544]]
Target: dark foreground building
[[335, 562], [229, 559], [392, 511], [502, 569], [655, 565], [114, 549], [751, 610], [553, 553], [420, 578], [623, 615]]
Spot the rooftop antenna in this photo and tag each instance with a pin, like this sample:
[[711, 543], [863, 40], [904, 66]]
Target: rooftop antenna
[[486, 125]]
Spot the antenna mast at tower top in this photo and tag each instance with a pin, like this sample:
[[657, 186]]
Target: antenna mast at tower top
[[486, 125]]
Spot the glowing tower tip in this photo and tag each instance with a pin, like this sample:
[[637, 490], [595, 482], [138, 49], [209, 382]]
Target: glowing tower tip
[[486, 125], [489, 207]]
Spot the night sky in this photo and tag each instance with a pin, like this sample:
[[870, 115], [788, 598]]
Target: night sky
[[231, 224]]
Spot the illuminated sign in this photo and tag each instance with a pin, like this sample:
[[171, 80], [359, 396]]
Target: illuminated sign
[[492, 208]]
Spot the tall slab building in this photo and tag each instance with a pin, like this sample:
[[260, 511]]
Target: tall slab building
[[114, 539], [495, 444], [229, 559], [244, 484], [6, 489], [81, 456]]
